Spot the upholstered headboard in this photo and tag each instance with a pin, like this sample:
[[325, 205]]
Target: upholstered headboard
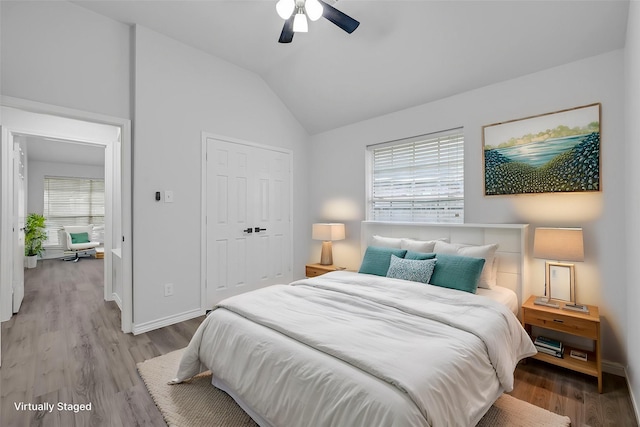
[[512, 254]]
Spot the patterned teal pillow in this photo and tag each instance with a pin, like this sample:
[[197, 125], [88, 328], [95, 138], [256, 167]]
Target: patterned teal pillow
[[376, 260], [457, 272], [411, 269]]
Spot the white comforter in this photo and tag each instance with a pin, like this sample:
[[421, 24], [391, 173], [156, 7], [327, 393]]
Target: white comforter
[[347, 349]]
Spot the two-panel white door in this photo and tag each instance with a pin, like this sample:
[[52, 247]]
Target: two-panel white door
[[18, 226], [248, 218]]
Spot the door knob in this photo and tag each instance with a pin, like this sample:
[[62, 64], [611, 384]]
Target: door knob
[[248, 230], [258, 229]]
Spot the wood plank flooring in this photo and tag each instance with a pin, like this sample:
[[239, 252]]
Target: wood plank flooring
[[65, 345], [575, 395]]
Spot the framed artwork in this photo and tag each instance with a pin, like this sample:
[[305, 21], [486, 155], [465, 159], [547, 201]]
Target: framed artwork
[[556, 152]]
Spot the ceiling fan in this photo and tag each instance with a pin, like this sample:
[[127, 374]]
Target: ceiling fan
[[295, 13]]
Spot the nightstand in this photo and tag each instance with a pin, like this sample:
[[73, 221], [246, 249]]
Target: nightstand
[[572, 323], [313, 270]]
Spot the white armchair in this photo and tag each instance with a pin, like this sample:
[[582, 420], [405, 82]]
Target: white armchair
[[78, 240]]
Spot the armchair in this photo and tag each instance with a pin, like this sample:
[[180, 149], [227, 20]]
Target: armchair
[[78, 241]]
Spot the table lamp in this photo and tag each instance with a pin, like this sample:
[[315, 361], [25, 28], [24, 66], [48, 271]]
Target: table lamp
[[327, 232], [562, 244]]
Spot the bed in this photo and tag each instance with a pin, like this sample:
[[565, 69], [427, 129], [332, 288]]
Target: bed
[[501, 295], [358, 349]]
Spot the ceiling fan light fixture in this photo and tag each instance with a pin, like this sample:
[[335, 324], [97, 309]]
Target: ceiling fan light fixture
[[300, 24], [285, 8], [314, 9], [296, 22]]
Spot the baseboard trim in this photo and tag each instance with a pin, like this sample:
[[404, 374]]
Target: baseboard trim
[[141, 328], [621, 370], [115, 297], [614, 368], [633, 398]]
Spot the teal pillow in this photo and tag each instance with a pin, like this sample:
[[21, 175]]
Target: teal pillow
[[419, 255], [457, 272], [411, 269], [79, 238], [377, 259]]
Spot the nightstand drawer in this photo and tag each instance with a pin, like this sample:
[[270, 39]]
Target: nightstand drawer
[[313, 271], [556, 321]]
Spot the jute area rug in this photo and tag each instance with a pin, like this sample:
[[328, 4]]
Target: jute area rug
[[197, 403]]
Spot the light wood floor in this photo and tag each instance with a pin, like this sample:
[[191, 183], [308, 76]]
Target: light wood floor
[[65, 345]]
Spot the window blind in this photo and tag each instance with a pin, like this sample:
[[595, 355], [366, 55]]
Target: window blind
[[71, 201], [418, 180]]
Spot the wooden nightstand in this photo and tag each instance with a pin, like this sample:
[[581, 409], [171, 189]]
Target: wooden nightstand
[[313, 270], [572, 323]]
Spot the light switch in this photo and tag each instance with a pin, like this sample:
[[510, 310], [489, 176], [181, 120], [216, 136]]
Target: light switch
[[168, 196]]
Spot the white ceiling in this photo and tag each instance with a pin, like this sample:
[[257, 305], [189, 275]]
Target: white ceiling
[[59, 151], [404, 53]]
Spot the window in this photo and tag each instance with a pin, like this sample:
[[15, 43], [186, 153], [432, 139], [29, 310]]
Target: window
[[419, 179], [71, 201]]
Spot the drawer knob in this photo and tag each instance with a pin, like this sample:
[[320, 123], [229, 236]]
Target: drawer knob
[[558, 320]]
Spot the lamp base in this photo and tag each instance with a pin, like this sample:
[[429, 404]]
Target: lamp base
[[576, 307], [326, 257], [545, 302]]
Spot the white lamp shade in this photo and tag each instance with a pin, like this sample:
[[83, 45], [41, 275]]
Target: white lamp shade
[[285, 8], [328, 231], [300, 24], [314, 9], [561, 244]]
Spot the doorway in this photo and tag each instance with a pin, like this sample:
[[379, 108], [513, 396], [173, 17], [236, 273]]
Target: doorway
[[22, 118]]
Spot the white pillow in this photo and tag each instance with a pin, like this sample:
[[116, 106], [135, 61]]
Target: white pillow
[[494, 274], [487, 252], [386, 242], [419, 245]]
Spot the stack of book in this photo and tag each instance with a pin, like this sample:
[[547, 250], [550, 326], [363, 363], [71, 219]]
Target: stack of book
[[549, 346]]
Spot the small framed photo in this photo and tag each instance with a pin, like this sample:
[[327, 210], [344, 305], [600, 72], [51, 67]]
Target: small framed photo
[[560, 280]]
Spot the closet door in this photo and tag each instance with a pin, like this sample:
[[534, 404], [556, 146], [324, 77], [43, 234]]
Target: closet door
[[248, 223], [270, 244]]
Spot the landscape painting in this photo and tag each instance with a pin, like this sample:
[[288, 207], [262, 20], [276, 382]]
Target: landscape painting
[[550, 153]]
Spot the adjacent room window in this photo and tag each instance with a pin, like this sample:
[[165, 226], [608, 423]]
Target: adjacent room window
[[419, 179], [72, 201]]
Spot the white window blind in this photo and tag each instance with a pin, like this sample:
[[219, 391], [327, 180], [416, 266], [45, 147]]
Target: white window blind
[[419, 179], [71, 201]]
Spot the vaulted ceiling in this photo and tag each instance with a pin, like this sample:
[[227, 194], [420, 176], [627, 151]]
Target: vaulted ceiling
[[404, 53]]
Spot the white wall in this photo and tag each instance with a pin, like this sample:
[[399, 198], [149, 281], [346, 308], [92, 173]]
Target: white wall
[[38, 170], [632, 89], [180, 92], [338, 178], [62, 54]]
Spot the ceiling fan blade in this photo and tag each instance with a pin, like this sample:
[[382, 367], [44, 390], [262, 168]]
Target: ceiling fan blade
[[342, 20], [286, 36]]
